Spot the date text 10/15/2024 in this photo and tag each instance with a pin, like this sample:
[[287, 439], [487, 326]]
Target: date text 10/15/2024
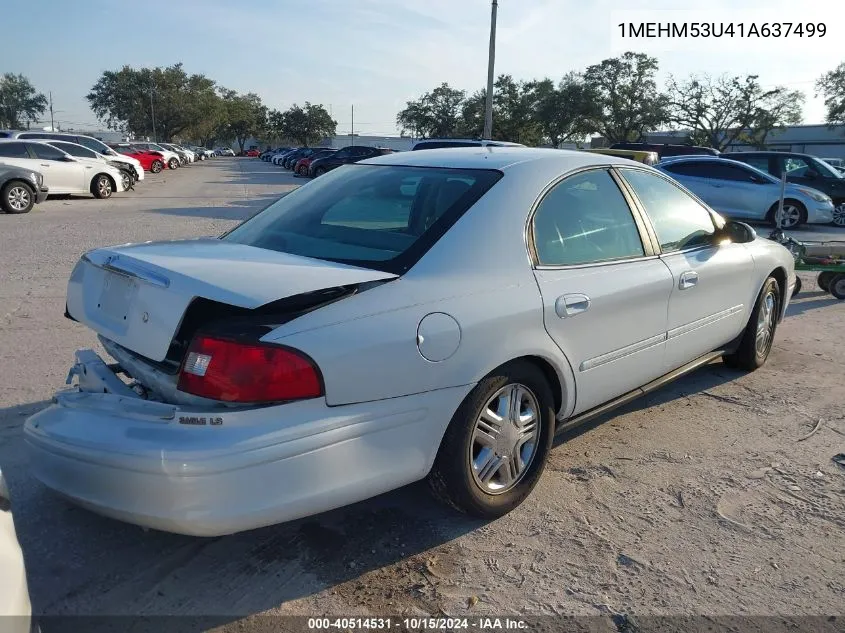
[[418, 624]]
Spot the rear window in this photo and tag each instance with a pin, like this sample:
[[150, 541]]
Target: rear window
[[376, 216]]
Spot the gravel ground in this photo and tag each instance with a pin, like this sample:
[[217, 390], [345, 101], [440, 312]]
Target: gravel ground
[[700, 499]]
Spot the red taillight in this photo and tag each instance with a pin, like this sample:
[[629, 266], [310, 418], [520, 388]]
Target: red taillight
[[247, 372]]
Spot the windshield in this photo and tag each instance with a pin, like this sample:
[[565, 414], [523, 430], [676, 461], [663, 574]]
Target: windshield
[[375, 216]]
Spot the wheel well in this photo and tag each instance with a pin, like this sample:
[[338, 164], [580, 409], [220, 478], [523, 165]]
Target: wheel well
[[551, 376], [780, 276], [28, 185], [774, 208]]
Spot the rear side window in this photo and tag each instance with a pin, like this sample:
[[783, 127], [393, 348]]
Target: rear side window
[[585, 219], [698, 170], [679, 220], [13, 150], [383, 217]]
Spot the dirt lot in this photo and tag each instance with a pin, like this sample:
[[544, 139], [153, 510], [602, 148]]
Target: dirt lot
[[703, 498]]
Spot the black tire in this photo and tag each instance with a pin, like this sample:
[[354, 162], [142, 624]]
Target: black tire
[[747, 356], [156, 166], [319, 171], [102, 186], [837, 287], [823, 280], [17, 197], [802, 213], [452, 477], [173, 163], [127, 181], [797, 287]]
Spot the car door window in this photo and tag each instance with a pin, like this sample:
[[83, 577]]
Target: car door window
[[13, 150], [679, 220], [47, 152], [685, 168], [76, 150], [585, 219], [760, 162]]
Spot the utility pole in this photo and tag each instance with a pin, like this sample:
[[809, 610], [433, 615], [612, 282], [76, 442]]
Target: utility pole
[[491, 58], [52, 123], [352, 133], [153, 112]]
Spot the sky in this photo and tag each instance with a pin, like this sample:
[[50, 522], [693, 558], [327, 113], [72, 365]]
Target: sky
[[377, 54]]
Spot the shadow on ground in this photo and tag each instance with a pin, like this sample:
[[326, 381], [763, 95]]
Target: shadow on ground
[[237, 210]]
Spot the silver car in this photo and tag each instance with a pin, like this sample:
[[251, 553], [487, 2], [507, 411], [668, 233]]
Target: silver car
[[437, 314], [740, 191]]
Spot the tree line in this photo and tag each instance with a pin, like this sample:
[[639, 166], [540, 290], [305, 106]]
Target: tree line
[[620, 100]]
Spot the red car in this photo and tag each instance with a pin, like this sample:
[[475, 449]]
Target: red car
[[252, 152], [302, 165], [150, 161]]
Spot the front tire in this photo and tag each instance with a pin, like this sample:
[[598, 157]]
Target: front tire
[[102, 186], [759, 333], [497, 444], [794, 214], [319, 171], [839, 214], [126, 180], [17, 197], [157, 166], [173, 163]]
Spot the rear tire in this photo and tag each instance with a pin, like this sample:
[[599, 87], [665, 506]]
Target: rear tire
[[839, 214], [157, 166], [837, 287], [823, 280], [102, 186], [487, 464], [797, 288], [759, 333], [17, 197]]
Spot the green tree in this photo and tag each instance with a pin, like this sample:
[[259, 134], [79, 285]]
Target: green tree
[[626, 97], [164, 102], [514, 112], [304, 125], [831, 86], [245, 117], [720, 111], [20, 103], [435, 114], [562, 112]]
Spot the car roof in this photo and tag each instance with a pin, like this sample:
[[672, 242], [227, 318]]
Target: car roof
[[501, 158], [763, 152]]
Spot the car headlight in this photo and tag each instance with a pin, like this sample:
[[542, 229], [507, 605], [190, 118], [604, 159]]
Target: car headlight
[[818, 196]]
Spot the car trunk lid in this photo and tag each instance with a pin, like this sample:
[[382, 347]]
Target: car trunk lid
[[136, 295]]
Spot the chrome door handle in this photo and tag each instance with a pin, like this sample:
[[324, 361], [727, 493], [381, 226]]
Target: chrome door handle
[[571, 304], [717, 185], [688, 280], [45, 164]]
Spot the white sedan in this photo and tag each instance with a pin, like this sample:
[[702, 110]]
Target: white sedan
[[15, 608], [62, 172], [436, 314]]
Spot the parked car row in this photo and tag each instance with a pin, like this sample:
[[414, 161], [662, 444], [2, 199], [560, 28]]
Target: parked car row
[[35, 164], [311, 162]]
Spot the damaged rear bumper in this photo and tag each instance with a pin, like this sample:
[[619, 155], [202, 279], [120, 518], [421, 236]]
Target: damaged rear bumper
[[211, 471]]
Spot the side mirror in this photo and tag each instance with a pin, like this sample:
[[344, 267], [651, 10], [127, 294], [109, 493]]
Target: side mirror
[[735, 233]]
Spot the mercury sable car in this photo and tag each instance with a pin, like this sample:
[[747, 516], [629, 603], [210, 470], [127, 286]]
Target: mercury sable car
[[436, 314]]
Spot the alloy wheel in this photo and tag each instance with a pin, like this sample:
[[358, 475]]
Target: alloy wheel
[[504, 439], [18, 198], [765, 324], [104, 186], [790, 217], [839, 215]]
